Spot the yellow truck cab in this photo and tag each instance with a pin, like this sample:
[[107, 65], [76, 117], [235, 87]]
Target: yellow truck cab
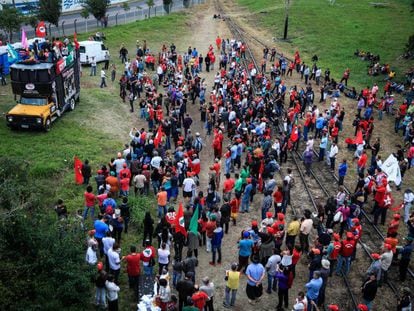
[[43, 91]]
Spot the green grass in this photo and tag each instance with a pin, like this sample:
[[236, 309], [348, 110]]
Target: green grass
[[95, 130], [335, 32]]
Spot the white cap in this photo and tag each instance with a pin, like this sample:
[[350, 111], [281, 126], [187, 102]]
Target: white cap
[[197, 134]]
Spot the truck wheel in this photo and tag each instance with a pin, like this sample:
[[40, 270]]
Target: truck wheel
[[47, 125], [72, 104]]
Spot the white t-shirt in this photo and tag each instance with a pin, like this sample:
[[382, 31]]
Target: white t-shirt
[[188, 184], [107, 242], [91, 257], [156, 162], [163, 256], [114, 260], [333, 152], [306, 226]]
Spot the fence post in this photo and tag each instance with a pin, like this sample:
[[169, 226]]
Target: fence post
[[116, 19], [50, 29], [86, 25], [74, 24], [63, 28]]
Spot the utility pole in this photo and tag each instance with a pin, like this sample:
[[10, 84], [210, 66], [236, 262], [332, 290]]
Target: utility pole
[[286, 19]]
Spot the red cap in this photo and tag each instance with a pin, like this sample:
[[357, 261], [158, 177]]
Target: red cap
[[91, 232], [336, 236], [375, 256], [355, 220], [145, 167], [349, 235], [316, 251], [124, 165], [249, 180], [362, 307], [397, 216], [254, 223], [333, 308], [387, 246], [99, 266], [269, 214], [280, 216], [270, 230]]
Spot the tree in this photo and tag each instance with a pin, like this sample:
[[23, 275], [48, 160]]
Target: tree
[[125, 6], [150, 4], [50, 10], [42, 259], [167, 5], [10, 20], [97, 8]]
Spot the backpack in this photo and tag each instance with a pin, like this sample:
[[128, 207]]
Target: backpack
[[197, 145]]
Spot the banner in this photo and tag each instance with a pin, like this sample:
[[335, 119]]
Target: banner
[[77, 167]]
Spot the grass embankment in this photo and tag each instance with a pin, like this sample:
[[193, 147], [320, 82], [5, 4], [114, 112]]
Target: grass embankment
[[96, 130], [334, 32]]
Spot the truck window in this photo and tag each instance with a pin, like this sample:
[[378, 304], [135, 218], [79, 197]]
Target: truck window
[[34, 101], [82, 49]]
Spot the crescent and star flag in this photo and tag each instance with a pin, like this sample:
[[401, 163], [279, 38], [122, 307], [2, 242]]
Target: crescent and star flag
[[41, 30], [77, 166], [171, 217], [179, 224]]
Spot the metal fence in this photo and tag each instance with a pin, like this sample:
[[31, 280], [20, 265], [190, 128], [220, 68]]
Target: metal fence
[[82, 25]]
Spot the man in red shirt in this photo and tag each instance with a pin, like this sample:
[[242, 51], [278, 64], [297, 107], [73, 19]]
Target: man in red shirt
[[228, 186], [345, 254], [333, 251], [362, 162], [148, 258], [210, 227], [133, 270], [89, 202], [199, 298]]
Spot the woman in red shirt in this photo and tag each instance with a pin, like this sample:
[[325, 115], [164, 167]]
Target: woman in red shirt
[[89, 202], [277, 199]]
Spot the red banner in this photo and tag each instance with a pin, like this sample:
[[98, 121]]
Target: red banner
[[77, 166]]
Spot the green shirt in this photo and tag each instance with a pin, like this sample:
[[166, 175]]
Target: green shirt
[[190, 308], [244, 174], [238, 185]]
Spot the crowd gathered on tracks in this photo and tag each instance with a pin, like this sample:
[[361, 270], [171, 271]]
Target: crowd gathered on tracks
[[251, 121]]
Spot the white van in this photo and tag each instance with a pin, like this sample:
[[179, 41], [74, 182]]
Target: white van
[[88, 49]]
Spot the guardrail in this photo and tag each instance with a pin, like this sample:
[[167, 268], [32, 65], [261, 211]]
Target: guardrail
[[82, 25]]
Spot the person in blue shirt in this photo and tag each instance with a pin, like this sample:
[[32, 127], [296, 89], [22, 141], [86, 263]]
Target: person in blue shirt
[[245, 250], [320, 122], [101, 228], [255, 273], [322, 147], [313, 287], [233, 151], [216, 244], [239, 153], [246, 196], [342, 169]]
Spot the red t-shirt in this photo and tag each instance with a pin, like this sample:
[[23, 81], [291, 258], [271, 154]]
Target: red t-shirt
[[124, 184], [347, 247], [133, 267], [228, 185], [147, 254], [89, 199]]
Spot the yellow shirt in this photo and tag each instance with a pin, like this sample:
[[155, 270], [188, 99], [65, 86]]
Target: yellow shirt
[[233, 279], [293, 228]]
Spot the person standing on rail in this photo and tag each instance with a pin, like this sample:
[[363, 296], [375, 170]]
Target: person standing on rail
[[305, 229], [345, 254], [332, 155]]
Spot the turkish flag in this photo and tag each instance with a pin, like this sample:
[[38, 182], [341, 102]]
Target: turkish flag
[[77, 166], [179, 224], [41, 30]]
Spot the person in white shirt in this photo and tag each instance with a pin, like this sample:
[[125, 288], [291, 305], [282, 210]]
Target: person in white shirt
[[408, 202], [332, 155], [271, 268], [112, 293], [165, 291], [103, 78], [107, 242], [156, 160], [188, 186], [119, 163], [114, 261], [385, 260], [163, 257], [305, 230], [91, 257]]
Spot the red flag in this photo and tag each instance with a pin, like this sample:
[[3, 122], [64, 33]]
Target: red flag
[[77, 166], [41, 30], [295, 134], [158, 137], [179, 225], [398, 207], [358, 138], [75, 40]]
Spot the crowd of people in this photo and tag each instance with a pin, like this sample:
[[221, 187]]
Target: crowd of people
[[251, 123]]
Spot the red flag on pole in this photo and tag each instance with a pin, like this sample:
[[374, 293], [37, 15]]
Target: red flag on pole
[[358, 138], [41, 30], [295, 134], [75, 40], [158, 137], [179, 225], [77, 166]]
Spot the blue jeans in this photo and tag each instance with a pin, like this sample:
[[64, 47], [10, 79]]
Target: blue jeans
[[368, 303], [218, 250], [142, 115], [148, 270], [228, 167], [162, 210], [100, 296], [155, 186], [230, 292], [271, 282], [321, 154], [86, 210], [244, 205], [342, 260], [176, 277], [310, 306]]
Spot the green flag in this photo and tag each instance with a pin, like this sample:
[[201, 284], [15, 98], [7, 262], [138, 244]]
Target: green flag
[[194, 222]]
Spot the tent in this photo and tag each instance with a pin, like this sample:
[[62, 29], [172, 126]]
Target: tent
[[392, 169]]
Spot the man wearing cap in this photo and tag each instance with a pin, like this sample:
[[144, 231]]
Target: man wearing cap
[[133, 270], [405, 253], [345, 254], [333, 251], [325, 270], [119, 163]]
